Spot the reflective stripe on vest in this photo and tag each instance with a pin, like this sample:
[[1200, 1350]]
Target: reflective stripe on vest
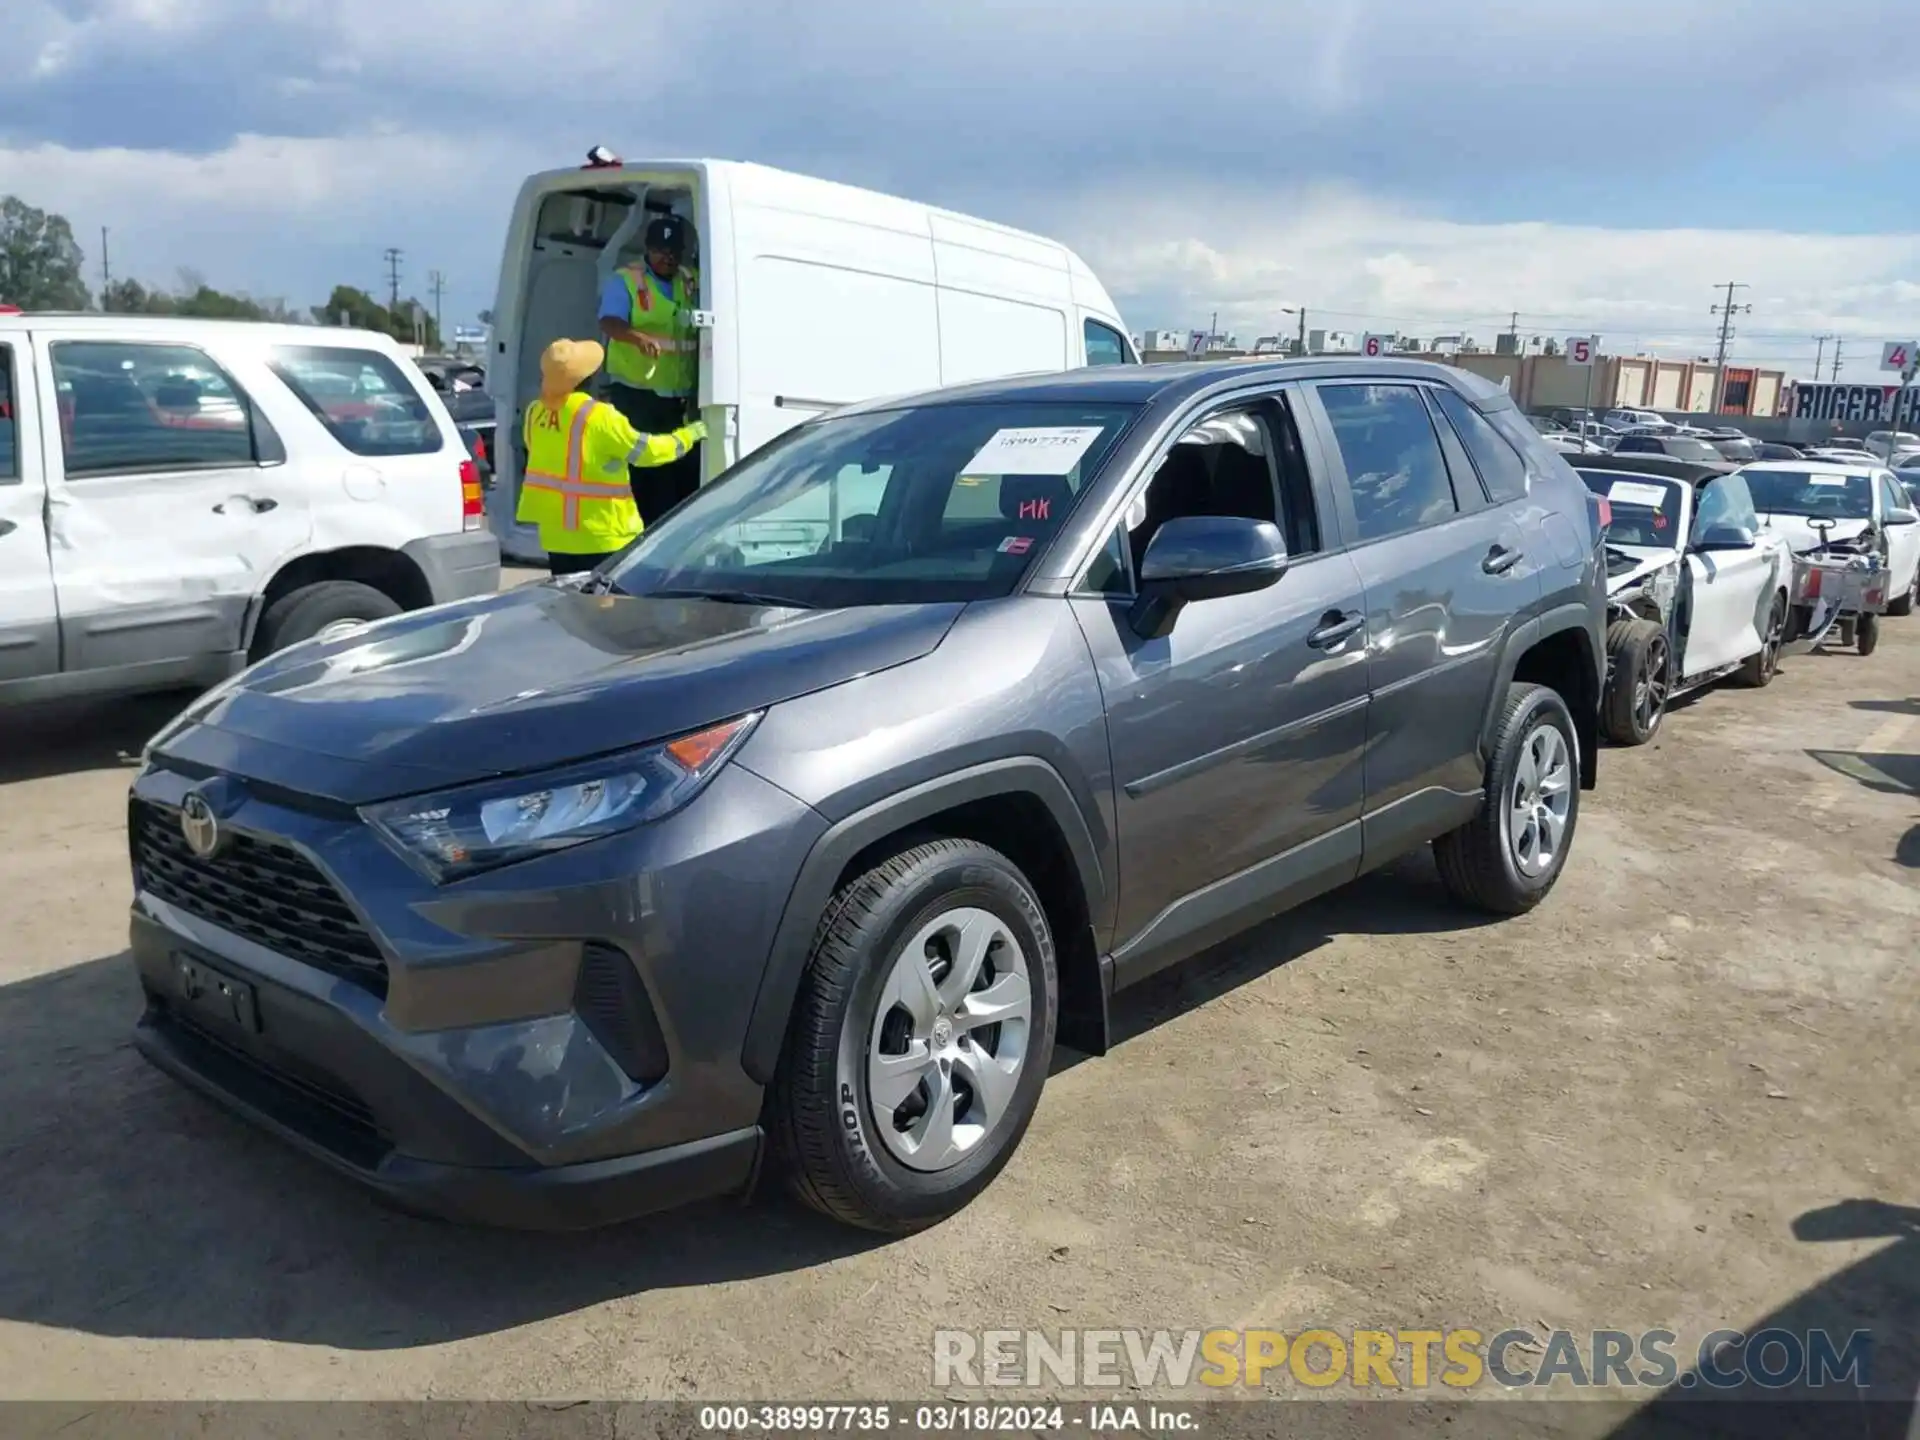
[[663, 317], [574, 486]]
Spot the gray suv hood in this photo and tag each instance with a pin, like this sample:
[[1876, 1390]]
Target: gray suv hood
[[526, 680]]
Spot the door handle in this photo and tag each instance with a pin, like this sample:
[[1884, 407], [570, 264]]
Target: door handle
[[1500, 560], [259, 507], [1333, 628]]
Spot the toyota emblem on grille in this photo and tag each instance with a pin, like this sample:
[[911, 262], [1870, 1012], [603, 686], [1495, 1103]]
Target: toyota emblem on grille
[[200, 826]]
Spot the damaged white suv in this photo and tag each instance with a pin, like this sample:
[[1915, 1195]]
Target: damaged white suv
[[1697, 590]]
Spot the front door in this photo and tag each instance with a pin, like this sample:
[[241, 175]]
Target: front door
[[29, 620], [1730, 591], [165, 519], [1449, 571], [1903, 540], [1236, 739]]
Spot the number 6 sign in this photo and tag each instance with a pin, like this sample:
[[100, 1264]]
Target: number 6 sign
[[1580, 349], [1374, 346]]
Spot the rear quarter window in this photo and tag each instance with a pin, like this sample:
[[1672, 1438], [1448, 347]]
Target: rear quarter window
[[362, 398]]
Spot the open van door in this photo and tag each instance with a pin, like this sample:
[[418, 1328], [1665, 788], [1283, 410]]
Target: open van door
[[570, 230]]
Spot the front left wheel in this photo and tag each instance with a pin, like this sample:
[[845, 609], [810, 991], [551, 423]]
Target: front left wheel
[[1904, 605], [1764, 664], [920, 1040]]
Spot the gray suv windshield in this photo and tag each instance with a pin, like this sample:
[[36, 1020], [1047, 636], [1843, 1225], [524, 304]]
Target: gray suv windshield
[[934, 503]]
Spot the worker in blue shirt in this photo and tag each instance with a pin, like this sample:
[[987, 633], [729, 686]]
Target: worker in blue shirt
[[653, 351]]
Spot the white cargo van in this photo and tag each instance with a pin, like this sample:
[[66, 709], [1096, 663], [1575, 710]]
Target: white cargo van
[[813, 295]]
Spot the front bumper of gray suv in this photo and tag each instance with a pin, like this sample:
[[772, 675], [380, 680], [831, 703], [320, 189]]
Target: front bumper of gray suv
[[553, 1045]]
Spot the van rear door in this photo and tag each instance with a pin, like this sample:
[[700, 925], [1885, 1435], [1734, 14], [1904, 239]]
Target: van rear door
[[29, 617]]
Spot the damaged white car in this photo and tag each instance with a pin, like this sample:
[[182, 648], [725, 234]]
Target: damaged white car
[[1696, 590]]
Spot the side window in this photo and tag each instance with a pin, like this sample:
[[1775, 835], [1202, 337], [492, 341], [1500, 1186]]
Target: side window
[[1891, 496], [1246, 461], [361, 397], [130, 408], [1501, 469], [1395, 471], [1105, 345], [9, 426]]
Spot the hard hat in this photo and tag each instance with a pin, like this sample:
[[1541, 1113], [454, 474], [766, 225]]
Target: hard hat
[[668, 233]]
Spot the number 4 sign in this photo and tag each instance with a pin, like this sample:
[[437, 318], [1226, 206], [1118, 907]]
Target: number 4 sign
[[1898, 354], [1580, 349], [1374, 346]]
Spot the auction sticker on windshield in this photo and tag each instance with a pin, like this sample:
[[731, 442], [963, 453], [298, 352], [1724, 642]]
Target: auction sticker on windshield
[[1634, 492], [1827, 479], [1034, 450]]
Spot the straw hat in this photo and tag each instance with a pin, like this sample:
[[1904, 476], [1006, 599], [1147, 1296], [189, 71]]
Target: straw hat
[[566, 363]]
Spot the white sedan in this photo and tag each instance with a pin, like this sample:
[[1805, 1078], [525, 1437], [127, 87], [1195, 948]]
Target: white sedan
[[1696, 590], [1812, 501]]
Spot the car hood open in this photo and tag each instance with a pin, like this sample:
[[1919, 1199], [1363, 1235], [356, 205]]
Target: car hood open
[[522, 681]]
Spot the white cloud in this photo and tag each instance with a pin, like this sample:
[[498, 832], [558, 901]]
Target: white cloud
[[291, 217], [1361, 263]]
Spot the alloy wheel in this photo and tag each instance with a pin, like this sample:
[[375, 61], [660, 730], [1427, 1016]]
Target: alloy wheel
[[1652, 685], [950, 1039], [1540, 801], [1776, 635]]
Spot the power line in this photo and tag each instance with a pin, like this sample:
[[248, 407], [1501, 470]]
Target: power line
[[392, 256]]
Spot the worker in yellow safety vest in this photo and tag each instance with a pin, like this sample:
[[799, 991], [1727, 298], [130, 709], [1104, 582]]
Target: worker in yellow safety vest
[[575, 485], [653, 355]]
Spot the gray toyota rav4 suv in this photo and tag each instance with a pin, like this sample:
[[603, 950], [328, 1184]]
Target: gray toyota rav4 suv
[[799, 833]]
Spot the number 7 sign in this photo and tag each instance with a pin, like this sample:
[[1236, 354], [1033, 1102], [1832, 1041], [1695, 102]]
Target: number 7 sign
[[1580, 349]]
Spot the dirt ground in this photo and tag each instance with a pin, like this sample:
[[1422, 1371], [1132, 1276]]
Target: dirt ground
[[1645, 1104]]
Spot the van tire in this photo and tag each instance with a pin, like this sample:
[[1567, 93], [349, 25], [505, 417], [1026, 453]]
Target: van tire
[[1476, 861], [822, 1123], [304, 613]]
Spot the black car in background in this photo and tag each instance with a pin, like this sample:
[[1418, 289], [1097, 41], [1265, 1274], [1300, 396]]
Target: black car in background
[[1689, 448]]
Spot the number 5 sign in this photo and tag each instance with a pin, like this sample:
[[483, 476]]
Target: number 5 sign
[[1374, 346], [1898, 355], [1580, 349]]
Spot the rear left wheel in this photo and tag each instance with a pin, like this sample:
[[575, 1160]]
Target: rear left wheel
[[1508, 856]]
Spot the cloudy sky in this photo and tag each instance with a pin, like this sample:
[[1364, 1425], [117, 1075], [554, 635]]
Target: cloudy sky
[[1412, 165]]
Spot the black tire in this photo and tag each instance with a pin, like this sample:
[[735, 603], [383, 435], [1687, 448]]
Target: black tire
[[304, 613], [1640, 673], [1904, 605], [1760, 668], [1866, 635], [821, 1121], [1476, 862]]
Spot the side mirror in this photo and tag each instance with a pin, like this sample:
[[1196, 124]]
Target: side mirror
[[1725, 537], [1901, 517], [1203, 557]]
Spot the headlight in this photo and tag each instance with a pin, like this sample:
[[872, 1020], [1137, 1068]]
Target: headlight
[[461, 832]]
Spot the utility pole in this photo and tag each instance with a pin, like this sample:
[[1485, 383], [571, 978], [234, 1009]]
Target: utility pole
[[1820, 351], [1836, 360], [106, 274], [1513, 329], [1303, 329], [392, 256], [438, 284], [1726, 313]]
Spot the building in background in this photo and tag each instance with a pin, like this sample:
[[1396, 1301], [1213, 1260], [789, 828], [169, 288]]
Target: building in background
[[1634, 382], [1332, 342]]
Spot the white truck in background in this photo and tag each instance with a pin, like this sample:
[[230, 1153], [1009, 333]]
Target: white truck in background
[[813, 295]]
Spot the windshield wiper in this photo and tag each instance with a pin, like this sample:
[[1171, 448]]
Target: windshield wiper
[[731, 597]]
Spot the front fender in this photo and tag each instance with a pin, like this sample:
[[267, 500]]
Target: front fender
[[833, 851]]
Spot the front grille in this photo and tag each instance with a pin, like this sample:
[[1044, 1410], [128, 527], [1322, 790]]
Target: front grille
[[328, 1115], [264, 892]]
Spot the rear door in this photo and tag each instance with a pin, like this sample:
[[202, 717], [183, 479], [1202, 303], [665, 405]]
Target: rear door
[[1449, 571], [29, 620], [170, 501], [1730, 591]]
